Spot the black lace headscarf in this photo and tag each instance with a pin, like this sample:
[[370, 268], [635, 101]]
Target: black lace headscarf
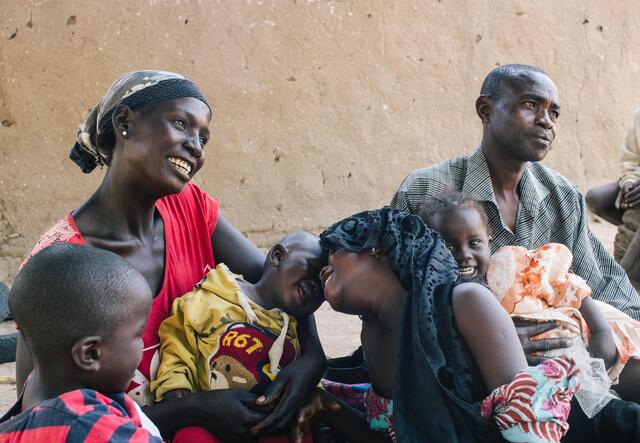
[[433, 399]]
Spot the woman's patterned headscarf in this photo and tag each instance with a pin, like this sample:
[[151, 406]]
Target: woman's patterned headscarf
[[433, 395], [136, 90]]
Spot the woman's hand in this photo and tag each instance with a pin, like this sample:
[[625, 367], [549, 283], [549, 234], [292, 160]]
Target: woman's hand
[[321, 401], [289, 392], [228, 414]]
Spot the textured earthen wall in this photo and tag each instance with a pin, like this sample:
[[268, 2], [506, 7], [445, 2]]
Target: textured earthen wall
[[321, 107]]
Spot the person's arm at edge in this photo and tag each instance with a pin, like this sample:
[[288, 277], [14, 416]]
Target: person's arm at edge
[[588, 252], [489, 333]]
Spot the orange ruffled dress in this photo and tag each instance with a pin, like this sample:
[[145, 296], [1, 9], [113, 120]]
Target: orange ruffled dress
[[537, 285]]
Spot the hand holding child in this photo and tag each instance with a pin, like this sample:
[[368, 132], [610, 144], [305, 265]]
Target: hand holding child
[[320, 402], [287, 394], [226, 413], [528, 329]]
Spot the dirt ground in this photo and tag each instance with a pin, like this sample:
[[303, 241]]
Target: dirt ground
[[340, 334]]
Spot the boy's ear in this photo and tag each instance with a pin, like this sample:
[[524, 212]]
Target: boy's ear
[[86, 353], [277, 254]]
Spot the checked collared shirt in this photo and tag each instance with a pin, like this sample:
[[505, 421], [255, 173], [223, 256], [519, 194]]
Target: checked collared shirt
[[551, 210]]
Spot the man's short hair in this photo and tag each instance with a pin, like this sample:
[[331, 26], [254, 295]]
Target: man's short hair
[[495, 81], [69, 291]]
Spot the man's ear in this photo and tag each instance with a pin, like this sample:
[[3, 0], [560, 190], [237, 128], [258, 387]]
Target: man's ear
[[484, 106], [122, 121], [86, 353], [277, 254]]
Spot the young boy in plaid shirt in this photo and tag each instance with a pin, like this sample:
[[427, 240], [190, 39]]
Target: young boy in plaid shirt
[[81, 311]]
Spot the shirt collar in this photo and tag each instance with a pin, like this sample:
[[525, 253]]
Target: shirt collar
[[477, 183], [532, 190]]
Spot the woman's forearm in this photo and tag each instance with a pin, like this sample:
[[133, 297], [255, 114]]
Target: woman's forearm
[[169, 416]]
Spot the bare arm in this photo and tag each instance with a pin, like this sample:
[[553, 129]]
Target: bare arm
[[236, 251], [601, 344], [489, 333]]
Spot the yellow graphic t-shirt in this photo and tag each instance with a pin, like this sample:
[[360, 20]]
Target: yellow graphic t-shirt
[[216, 338]]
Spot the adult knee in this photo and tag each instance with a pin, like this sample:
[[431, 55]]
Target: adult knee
[[594, 201]]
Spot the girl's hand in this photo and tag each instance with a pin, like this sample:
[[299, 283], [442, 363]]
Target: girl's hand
[[320, 402]]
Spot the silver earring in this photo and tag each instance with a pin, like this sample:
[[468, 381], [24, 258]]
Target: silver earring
[[124, 133]]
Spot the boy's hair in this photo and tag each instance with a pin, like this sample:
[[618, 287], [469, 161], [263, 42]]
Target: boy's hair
[[66, 292], [450, 201]]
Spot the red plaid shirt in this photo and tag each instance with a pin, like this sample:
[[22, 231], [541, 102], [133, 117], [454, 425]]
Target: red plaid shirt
[[83, 415]]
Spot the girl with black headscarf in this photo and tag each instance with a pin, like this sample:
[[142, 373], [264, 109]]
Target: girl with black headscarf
[[445, 356]]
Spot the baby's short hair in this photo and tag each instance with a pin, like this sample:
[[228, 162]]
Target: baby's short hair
[[298, 237], [450, 201], [69, 291]]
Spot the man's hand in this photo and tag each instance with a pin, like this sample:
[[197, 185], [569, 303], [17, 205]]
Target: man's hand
[[320, 402], [528, 329], [629, 196], [291, 390], [228, 414]]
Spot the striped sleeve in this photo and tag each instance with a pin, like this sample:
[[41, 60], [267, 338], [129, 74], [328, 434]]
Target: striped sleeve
[[102, 426]]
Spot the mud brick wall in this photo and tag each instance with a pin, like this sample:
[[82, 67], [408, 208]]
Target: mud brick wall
[[321, 107]]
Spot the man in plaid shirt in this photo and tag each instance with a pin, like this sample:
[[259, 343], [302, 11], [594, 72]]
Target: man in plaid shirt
[[527, 204]]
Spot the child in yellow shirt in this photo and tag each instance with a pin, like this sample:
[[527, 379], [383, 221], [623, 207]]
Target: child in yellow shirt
[[230, 334]]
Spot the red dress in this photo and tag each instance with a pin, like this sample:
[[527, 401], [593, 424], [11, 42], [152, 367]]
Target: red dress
[[189, 219]]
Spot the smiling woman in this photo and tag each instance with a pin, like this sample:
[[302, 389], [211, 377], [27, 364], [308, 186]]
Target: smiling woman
[[150, 130]]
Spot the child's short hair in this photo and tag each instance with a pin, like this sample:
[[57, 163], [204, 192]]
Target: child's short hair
[[450, 201], [66, 292]]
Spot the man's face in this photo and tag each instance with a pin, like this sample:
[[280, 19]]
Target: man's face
[[522, 123]]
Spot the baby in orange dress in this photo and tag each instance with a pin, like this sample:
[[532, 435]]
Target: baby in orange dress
[[536, 285]]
